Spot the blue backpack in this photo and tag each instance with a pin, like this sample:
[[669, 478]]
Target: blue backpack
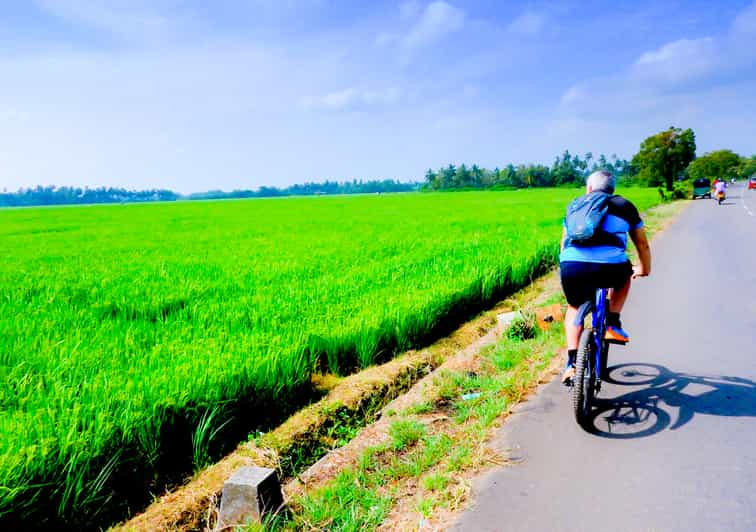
[[583, 221]]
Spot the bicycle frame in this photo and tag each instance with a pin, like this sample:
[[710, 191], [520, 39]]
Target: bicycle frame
[[599, 327], [598, 309]]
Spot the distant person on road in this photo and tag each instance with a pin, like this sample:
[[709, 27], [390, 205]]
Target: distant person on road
[[602, 262]]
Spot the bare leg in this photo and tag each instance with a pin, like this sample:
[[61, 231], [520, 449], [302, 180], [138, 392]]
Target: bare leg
[[618, 296], [571, 330]]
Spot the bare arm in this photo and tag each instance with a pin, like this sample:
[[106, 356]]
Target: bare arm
[[644, 252]]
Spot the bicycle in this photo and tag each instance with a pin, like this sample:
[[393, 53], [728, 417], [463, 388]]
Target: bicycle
[[592, 356]]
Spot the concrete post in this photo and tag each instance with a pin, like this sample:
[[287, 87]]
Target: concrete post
[[250, 494]]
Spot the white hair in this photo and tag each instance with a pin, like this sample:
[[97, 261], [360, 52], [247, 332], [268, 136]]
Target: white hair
[[602, 181]]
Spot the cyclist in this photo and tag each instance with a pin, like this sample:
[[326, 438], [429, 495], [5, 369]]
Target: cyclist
[[602, 262]]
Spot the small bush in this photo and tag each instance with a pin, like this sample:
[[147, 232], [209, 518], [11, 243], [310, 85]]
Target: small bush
[[682, 190], [523, 327]]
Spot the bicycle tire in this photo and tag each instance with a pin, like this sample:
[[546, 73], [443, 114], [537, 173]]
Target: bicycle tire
[[582, 389]]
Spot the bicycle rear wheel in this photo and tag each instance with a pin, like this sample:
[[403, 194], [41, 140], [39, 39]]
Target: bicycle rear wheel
[[583, 387]]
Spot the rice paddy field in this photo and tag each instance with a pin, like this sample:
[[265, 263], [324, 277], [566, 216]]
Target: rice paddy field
[[138, 342]]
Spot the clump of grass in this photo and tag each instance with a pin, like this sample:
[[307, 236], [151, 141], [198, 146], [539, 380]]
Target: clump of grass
[[405, 432], [435, 481], [523, 327], [424, 407]]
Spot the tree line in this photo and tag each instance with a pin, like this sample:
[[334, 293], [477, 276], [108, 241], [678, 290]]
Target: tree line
[[312, 189], [567, 170], [665, 159], [51, 195]]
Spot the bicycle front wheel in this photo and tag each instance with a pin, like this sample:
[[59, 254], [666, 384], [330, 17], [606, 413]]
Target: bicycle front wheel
[[583, 387]]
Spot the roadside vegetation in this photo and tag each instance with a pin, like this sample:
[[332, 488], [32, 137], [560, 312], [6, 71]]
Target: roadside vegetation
[[419, 474]]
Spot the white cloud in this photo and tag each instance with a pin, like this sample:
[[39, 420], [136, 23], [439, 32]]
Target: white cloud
[[527, 23], [679, 60], [351, 98], [677, 69], [437, 20]]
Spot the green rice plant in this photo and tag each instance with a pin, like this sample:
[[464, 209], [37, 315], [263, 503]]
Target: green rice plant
[[207, 430]]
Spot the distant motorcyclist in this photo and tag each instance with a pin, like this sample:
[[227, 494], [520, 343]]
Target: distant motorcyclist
[[719, 190]]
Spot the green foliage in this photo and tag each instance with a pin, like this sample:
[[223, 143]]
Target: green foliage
[[51, 195], [350, 503], [682, 189], [135, 338], [419, 408], [405, 432], [721, 164], [435, 482], [567, 170], [206, 431], [523, 327], [747, 166], [663, 156]]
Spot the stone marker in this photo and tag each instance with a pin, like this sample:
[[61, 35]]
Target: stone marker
[[248, 495]]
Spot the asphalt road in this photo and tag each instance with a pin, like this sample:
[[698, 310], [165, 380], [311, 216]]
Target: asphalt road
[[674, 441]]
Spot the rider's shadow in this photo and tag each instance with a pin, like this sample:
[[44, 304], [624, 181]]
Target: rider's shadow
[[661, 399]]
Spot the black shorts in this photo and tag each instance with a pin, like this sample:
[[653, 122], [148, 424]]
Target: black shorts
[[581, 279]]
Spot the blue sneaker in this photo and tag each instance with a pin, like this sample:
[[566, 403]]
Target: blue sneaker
[[615, 334]]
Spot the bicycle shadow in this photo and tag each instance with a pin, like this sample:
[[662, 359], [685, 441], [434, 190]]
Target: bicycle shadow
[[665, 396]]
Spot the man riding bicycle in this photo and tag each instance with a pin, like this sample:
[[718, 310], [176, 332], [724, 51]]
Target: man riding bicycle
[[601, 262]]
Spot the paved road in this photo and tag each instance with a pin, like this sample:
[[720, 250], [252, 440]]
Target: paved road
[[674, 446]]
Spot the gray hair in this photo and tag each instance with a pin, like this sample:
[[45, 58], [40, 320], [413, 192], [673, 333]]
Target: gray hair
[[602, 181]]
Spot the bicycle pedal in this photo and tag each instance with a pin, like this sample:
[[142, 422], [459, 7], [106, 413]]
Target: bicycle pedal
[[616, 342]]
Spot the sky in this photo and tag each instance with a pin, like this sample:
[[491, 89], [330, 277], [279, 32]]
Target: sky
[[192, 95]]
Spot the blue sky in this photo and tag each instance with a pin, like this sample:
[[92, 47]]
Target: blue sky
[[194, 95]]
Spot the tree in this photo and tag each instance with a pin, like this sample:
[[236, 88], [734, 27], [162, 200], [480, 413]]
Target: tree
[[462, 178], [720, 163], [564, 170], [747, 166], [431, 180], [663, 156]]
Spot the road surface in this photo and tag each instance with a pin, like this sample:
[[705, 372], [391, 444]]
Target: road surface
[[674, 445]]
